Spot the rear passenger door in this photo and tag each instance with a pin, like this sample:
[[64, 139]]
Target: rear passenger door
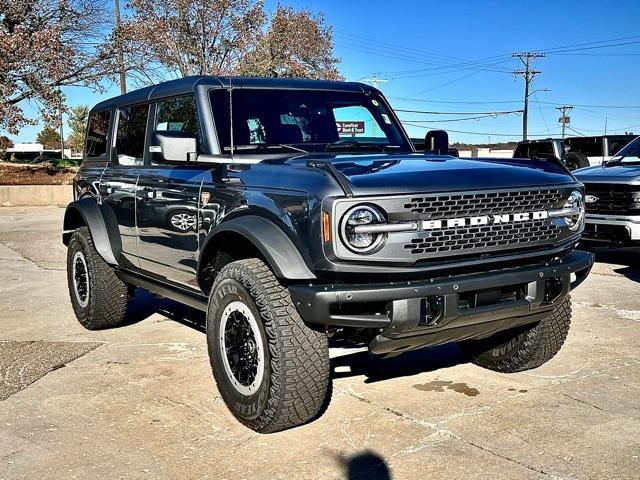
[[168, 198], [118, 184]]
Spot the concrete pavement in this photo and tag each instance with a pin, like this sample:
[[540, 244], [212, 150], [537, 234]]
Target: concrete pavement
[[139, 401]]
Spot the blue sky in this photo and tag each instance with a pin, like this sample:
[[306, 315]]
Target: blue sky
[[456, 57]]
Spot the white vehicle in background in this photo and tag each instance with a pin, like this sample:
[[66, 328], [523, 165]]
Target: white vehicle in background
[[612, 199], [580, 152], [574, 152]]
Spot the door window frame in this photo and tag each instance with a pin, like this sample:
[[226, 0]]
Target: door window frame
[[151, 121], [114, 135]]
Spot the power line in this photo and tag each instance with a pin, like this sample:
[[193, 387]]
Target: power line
[[450, 82], [594, 47], [450, 119], [549, 50], [442, 59], [478, 133], [504, 112]]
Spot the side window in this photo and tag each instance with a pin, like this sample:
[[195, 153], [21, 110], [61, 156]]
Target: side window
[[177, 115], [97, 129], [131, 134]]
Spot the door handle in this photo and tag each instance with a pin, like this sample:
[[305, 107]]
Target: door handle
[[149, 192]]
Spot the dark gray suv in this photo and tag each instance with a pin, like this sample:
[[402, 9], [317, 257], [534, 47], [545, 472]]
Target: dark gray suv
[[294, 211]]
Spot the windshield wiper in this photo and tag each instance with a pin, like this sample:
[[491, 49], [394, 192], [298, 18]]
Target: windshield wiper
[[618, 160], [347, 145], [265, 146]]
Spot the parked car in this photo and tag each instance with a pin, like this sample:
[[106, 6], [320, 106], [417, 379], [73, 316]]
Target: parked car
[[315, 218], [613, 199]]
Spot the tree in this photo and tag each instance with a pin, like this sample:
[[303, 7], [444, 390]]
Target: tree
[[5, 142], [50, 138], [226, 37], [192, 37], [47, 45], [77, 124], [297, 44]]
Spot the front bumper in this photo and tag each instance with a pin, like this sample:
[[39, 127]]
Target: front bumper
[[440, 310], [613, 229]]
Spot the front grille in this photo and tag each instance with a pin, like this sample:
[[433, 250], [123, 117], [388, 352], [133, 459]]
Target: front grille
[[613, 198], [433, 207], [464, 224], [493, 236]]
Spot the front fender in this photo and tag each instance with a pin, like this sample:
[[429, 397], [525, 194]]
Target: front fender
[[86, 212], [276, 247]]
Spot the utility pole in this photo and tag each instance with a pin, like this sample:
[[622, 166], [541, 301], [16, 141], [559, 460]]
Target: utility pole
[[61, 131], [528, 73], [374, 80], [564, 119], [123, 79]]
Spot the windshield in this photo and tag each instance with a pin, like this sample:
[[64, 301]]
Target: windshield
[[629, 154], [304, 121]]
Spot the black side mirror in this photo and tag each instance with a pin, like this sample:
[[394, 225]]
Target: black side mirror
[[437, 141], [173, 146]]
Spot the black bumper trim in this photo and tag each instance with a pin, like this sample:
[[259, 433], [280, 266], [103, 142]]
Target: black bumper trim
[[314, 302]]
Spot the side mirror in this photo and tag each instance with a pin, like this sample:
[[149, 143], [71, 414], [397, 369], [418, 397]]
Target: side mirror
[[172, 146], [437, 141]]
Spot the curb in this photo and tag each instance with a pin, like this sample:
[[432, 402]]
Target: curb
[[35, 195]]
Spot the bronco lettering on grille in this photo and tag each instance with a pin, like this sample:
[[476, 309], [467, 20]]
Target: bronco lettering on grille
[[484, 220]]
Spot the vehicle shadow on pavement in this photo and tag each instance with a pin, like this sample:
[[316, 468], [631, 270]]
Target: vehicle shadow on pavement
[[376, 368], [365, 465], [144, 304], [625, 262]]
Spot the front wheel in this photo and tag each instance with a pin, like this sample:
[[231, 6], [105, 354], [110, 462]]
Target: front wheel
[[271, 369], [99, 298], [523, 348]]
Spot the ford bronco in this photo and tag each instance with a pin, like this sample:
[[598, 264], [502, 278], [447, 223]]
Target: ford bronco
[[292, 211]]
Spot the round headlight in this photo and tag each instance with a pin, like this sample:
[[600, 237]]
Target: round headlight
[[575, 203], [359, 241]]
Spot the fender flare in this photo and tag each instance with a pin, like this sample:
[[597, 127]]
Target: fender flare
[[91, 215], [273, 243]]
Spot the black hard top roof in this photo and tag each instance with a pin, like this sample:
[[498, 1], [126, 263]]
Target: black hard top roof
[[186, 85]]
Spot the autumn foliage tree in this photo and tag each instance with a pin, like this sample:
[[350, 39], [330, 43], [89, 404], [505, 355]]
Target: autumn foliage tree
[[49, 138], [227, 37], [46, 45], [296, 44]]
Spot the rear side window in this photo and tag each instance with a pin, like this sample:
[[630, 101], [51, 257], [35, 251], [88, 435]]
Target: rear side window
[[97, 130], [177, 114], [131, 134], [589, 146]]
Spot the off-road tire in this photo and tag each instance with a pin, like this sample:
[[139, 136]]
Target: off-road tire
[[107, 294], [575, 160], [295, 386], [524, 348]]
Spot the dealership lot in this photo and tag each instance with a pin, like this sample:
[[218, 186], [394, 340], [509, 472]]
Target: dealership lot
[[140, 402]]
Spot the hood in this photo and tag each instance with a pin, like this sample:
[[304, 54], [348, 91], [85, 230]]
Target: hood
[[611, 174], [409, 173]]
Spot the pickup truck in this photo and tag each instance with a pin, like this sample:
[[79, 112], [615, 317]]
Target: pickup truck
[[612, 200], [295, 211]]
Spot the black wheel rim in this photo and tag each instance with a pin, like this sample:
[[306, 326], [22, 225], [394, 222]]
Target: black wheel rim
[[80, 273], [242, 350]]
